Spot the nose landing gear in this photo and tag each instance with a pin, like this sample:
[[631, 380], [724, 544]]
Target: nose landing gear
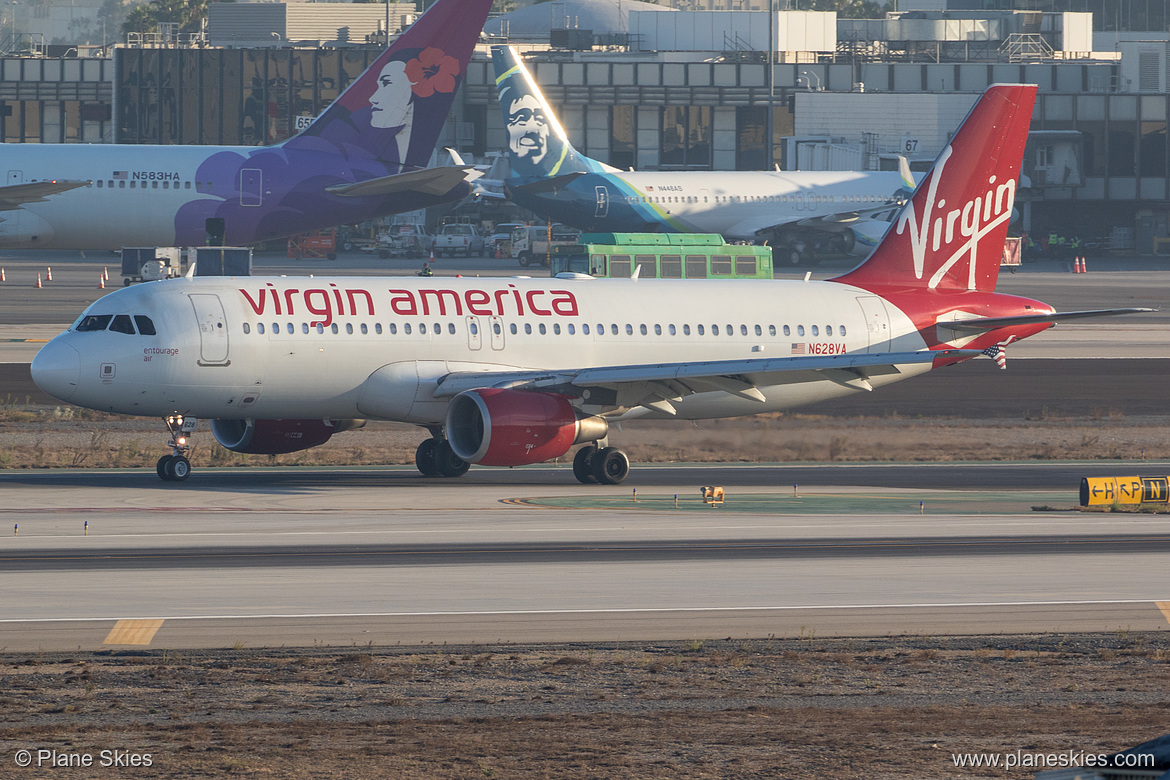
[[176, 467]]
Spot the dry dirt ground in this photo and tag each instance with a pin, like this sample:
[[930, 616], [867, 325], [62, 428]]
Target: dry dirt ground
[[37, 437], [797, 708]]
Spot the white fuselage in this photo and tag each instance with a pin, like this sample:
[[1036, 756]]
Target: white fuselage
[[281, 348], [740, 205], [142, 189]]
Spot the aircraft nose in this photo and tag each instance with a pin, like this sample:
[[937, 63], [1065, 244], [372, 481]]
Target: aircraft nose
[[56, 369]]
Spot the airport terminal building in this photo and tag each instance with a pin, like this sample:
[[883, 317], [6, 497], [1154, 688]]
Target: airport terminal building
[[650, 87]]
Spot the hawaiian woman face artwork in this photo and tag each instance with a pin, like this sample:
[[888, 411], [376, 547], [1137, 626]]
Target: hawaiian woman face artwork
[[400, 82], [391, 101]]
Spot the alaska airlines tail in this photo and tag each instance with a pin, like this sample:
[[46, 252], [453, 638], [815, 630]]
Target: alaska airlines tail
[[396, 109], [950, 236], [538, 147]]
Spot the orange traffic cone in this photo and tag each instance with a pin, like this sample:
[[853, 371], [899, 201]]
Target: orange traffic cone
[[1084, 265], [432, 260], [49, 273], [2, 279], [106, 274], [38, 281], [101, 282]]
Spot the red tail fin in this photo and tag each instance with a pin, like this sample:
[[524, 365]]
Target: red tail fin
[[951, 234]]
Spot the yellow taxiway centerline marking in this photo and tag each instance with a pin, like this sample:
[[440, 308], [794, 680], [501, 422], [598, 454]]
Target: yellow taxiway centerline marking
[[133, 632], [1165, 607]]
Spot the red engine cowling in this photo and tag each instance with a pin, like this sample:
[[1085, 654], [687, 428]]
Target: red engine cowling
[[275, 437], [514, 427]]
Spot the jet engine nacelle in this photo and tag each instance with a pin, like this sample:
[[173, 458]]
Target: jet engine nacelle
[[513, 427], [23, 229], [275, 437]]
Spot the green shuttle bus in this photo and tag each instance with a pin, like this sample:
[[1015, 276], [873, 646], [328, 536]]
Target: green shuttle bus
[[662, 256]]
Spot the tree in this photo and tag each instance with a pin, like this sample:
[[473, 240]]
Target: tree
[[846, 9], [188, 14]]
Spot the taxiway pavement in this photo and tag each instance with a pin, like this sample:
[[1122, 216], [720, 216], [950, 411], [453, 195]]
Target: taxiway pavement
[[280, 557]]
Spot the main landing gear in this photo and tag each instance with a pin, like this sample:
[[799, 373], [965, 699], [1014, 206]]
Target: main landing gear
[[435, 458], [176, 467], [591, 465], [605, 465]]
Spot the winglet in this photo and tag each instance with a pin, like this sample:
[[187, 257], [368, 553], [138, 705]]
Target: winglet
[[904, 172]]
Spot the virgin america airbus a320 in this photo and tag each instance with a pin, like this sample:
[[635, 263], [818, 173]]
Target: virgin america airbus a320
[[516, 371]]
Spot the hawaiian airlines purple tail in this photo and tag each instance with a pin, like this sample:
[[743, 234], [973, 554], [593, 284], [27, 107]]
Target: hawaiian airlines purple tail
[[397, 107], [950, 236], [363, 157]]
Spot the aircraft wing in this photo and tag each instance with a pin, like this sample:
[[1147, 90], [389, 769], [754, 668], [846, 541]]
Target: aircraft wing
[[832, 223], [656, 385], [431, 181], [14, 196], [982, 324]]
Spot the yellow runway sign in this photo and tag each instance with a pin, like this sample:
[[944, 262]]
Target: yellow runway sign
[[1104, 491]]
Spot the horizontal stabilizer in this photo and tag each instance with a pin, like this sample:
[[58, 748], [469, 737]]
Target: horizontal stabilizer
[[429, 181], [548, 185], [16, 195], [983, 324]]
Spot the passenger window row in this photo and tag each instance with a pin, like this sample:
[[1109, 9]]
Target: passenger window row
[[542, 328], [153, 184]]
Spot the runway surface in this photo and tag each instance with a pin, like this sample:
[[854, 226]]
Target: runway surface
[[274, 557]]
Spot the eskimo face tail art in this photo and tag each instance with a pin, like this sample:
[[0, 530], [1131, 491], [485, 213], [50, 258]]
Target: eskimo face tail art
[[511, 372], [537, 144]]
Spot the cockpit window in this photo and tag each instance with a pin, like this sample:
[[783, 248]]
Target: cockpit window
[[94, 322], [145, 325], [122, 324]]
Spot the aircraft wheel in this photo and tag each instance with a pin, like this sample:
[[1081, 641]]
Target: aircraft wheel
[[611, 466], [424, 458], [163, 467], [179, 468], [447, 463], [583, 465]]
